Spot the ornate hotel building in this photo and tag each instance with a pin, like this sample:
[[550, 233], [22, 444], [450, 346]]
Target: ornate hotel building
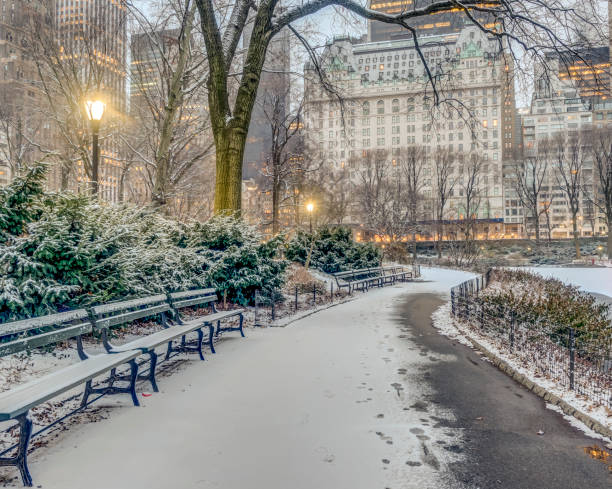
[[390, 108]]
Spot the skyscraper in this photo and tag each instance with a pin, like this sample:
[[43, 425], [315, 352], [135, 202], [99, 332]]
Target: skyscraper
[[92, 39], [20, 116], [433, 24], [275, 80]]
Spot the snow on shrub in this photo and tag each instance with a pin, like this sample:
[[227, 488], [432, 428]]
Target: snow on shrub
[[333, 250], [551, 305], [65, 251]]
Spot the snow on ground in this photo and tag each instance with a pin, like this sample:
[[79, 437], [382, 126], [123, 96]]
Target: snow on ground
[[447, 326], [598, 280], [325, 403]]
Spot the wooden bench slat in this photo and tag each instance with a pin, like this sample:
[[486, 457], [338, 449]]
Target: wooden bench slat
[[42, 322], [20, 399], [189, 293], [131, 304], [159, 338], [27, 343], [193, 302], [130, 316]]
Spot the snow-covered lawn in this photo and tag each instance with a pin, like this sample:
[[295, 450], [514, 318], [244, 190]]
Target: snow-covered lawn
[[598, 280]]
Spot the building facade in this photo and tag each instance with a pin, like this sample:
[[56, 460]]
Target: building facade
[[389, 108], [275, 82], [21, 119], [556, 133], [434, 24], [92, 36]]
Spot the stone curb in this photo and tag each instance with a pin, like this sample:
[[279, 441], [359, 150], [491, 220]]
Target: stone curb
[[297, 317], [542, 392]]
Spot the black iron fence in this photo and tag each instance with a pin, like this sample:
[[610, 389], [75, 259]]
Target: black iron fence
[[581, 363], [273, 304]]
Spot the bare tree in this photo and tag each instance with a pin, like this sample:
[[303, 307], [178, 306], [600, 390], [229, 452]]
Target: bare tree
[[529, 176], [170, 129], [443, 188], [383, 196], [18, 134], [411, 165], [525, 29], [601, 151], [568, 155], [284, 158], [466, 251]]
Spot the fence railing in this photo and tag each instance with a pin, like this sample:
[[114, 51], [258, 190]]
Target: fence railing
[[558, 354], [272, 304]]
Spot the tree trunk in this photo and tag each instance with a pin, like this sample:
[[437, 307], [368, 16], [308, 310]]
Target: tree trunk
[[439, 241], [414, 247], [275, 206], [609, 246], [536, 223], [576, 238], [228, 186]]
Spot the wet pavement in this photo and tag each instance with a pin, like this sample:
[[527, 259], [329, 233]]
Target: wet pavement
[[500, 419]]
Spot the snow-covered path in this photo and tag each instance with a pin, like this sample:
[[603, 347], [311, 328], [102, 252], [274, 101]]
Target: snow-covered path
[[324, 403]]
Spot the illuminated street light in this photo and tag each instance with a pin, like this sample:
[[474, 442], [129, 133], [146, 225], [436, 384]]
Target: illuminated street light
[[95, 110], [310, 208]]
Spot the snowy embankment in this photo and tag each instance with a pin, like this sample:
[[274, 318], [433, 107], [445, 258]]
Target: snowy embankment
[[595, 280], [592, 280]]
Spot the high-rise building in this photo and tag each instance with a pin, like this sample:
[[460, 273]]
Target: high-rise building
[[275, 81], [389, 110], [433, 24], [92, 35], [20, 95]]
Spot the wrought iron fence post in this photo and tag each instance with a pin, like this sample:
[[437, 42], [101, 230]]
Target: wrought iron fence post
[[512, 326], [314, 295], [273, 305], [296, 298], [572, 348], [256, 306], [332, 291], [453, 302]]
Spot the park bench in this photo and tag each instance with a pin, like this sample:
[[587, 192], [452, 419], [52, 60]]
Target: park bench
[[397, 273], [352, 280], [362, 279], [25, 335], [119, 313]]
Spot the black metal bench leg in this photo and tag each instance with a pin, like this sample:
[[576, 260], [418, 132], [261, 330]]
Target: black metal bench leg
[[133, 378], [200, 339], [169, 351], [86, 394], [218, 328], [25, 425], [153, 363], [20, 460], [241, 324], [211, 333]]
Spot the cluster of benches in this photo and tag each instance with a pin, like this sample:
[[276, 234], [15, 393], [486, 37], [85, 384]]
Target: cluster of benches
[[21, 336], [364, 278]]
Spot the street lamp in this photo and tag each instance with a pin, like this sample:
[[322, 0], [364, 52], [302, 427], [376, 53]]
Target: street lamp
[[95, 110], [310, 208]]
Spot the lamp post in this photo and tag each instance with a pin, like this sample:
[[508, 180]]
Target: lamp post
[[95, 111], [310, 208]]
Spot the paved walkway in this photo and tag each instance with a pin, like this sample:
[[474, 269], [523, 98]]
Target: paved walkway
[[343, 399]]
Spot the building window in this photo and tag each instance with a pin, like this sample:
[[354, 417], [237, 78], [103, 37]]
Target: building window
[[380, 107]]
